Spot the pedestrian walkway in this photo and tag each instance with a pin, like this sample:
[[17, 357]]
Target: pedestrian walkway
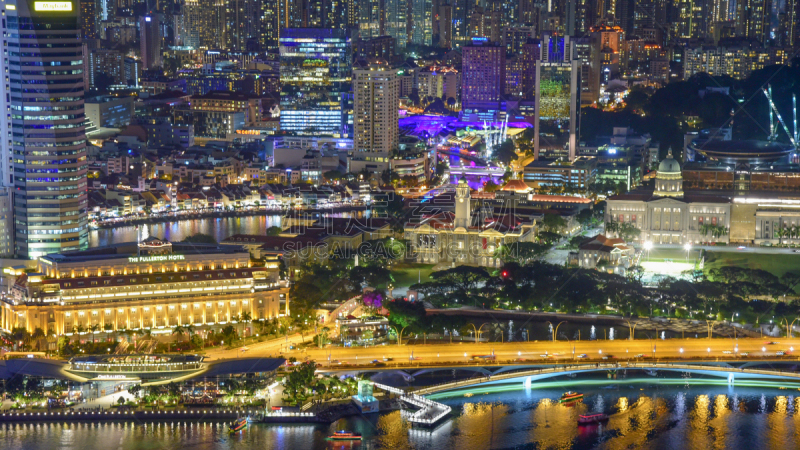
[[429, 411]]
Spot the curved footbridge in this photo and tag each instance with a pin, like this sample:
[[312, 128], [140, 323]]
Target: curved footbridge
[[429, 412], [528, 376]]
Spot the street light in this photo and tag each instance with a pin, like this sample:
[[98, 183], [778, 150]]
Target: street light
[[688, 247], [648, 245], [681, 350]]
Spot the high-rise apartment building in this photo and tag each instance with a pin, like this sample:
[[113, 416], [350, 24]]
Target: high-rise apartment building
[[150, 41], [376, 92], [46, 129], [483, 74], [89, 19], [558, 97], [315, 78]]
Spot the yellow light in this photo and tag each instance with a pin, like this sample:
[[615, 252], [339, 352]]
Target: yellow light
[[11, 7], [52, 6]]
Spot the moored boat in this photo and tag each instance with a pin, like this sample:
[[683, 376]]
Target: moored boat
[[344, 436], [238, 425], [570, 397]]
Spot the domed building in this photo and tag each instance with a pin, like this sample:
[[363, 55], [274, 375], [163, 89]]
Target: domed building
[[668, 215], [669, 181]]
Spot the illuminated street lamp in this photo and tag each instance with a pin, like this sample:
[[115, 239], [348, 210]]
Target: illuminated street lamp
[[681, 351], [648, 245], [688, 247]]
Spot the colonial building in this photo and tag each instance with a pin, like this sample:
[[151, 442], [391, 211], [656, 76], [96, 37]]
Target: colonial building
[[466, 236], [615, 254], [153, 285], [667, 215]]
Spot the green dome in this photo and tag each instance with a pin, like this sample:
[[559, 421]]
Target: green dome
[[669, 165]]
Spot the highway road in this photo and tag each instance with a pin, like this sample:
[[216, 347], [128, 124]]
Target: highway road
[[565, 351]]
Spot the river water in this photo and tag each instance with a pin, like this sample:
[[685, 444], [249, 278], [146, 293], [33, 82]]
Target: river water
[[220, 228], [645, 413]]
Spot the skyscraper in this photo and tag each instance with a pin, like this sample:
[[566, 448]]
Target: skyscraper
[[47, 134], [375, 114], [89, 19], [558, 98], [315, 76], [396, 12], [370, 19], [150, 41], [422, 11], [483, 81]]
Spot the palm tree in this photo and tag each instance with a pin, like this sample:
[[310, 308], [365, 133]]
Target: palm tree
[[245, 318], [179, 330], [80, 329], [94, 329], [38, 334]]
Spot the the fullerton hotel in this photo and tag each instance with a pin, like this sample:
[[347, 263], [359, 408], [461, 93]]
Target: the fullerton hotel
[[153, 285]]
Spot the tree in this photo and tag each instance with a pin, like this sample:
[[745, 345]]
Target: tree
[[505, 152], [179, 331], [274, 231], [200, 238], [553, 222], [585, 217]]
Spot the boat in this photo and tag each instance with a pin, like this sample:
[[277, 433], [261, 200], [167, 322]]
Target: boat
[[589, 419], [238, 425], [570, 397], [344, 436]]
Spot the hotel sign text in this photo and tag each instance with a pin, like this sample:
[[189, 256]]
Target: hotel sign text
[[157, 258]]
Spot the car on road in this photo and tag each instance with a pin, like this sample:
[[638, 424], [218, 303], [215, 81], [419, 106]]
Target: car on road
[[545, 356], [388, 359], [608, 356], [771, 343], [336, 361], [583, 355], [640, 355], [726, 352], [780, 353], [375, 361], [745, 353], [742, 247]]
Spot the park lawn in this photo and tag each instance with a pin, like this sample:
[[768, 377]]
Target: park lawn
[[406, 274], [675, 254], [776, 264]]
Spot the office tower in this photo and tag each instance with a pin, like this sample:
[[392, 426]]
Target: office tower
[[109, 62], [460, 10], [192, 20], [49, 148], [88, 19], [531, 52], [483, 74], [245, 24], [150, 41], [397, 21], [376, 92], [422, 32], [315, 75], [370, 19], [445, 25], [557, 97]]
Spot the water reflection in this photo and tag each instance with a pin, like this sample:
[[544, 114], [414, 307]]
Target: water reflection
[[641, 416]]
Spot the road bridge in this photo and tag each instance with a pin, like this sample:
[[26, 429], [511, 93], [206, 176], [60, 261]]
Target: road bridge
[[531, 375]]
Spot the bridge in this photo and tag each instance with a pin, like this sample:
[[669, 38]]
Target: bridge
[[530, 375], [476, 159], [429, 411]]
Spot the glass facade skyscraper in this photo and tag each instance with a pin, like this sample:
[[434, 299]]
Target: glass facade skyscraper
[[315, 78], [44, 95]]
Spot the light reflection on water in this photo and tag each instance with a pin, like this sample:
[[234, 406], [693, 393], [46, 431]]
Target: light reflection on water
[[642, 416]]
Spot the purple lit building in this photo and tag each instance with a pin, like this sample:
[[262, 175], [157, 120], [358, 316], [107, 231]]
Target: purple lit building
[[483, 74]]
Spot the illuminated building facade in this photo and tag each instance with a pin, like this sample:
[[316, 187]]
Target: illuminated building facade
[[315, 80], [558, 97], [152, 285], [483, 74], [48, 147], [376, 92]]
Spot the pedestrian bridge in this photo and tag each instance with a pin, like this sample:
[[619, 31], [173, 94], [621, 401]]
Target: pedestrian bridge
[[527, 376]]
